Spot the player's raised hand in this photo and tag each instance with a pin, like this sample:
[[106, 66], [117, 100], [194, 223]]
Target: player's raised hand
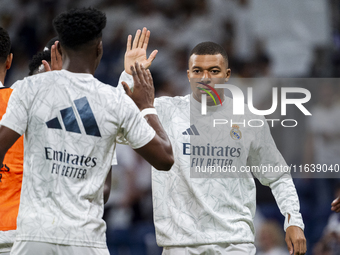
[[136, 50], [336, 205], [56, 61], [296, 241], [143, 92]]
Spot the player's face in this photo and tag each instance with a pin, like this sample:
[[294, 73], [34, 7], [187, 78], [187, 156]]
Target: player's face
[[206, 68]]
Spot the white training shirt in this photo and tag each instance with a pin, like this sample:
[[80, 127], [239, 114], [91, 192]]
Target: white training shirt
[[71, 122], [193, 211]]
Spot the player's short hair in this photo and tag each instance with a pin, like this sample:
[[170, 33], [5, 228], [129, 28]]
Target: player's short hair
[[209, 48], [77, 27], [5, 45], [37, 59]]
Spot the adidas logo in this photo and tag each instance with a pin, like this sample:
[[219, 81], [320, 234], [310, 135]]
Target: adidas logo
[[70, 121], [191, 131]]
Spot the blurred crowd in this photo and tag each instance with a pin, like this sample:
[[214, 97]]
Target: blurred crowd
[[263, 39]]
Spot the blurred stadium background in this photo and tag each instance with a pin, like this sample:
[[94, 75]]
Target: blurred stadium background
[[264, 39]]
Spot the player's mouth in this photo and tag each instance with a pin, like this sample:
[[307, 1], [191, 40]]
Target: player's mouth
[[204, 89]]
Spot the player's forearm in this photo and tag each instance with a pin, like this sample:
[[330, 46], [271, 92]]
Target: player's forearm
[[287, 200]]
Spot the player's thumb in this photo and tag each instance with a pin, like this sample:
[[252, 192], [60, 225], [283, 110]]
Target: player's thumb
[[46, 66], [126, 88], [152, 57]]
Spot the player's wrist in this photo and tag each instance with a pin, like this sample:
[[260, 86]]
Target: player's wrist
[[148, 111], [128, 71]]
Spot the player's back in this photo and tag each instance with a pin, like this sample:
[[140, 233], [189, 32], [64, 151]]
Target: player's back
[[70, 122]]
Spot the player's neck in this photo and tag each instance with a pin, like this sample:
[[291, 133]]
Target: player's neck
[[2, 75], [79, 64]]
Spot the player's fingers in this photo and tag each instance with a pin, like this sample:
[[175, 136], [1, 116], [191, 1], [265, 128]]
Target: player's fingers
[[46, 66], [152, 57], [136, 39], [142, 37], [135, 75], [303, 247], [297, 247], [336, 202], [335, 208], [139, 69], [126, 88], [289, 246], [58, 60], [53, 57], [146, 76], [57, 53], [128, 43], [150, 79], [146, 40]]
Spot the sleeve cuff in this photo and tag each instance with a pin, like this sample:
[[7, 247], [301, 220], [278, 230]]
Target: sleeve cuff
[[127, 78], [295, 220]]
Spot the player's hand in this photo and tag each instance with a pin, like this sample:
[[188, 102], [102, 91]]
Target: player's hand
[[336, 205], [295, 240], [56, 61], [143, 92], [137, 52]]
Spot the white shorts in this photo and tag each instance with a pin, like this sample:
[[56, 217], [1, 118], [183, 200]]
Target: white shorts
[[212, 249], [34, 248]]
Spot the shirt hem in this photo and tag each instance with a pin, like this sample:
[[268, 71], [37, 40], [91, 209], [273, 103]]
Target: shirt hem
[[101, 245]]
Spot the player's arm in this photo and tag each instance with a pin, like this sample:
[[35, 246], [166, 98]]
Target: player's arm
[[7, 138], [264, 152], [158, 152], [107, 186]]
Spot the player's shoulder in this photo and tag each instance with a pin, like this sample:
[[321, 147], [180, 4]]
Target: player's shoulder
[[177, 101]]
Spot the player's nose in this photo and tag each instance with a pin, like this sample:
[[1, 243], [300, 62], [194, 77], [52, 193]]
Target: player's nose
[[206, 74]]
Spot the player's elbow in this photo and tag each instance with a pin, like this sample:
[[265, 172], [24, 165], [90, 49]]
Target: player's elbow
[[165, 163]]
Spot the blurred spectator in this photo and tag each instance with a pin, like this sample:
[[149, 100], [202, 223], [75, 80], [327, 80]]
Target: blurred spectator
[[271, 239], [329, 243], [128, 213]]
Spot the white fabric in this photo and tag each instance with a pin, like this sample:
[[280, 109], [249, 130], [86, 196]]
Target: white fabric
[[191, 211], [29, 248], [212, 249], [1, 85], [7, 239], [64, 171]]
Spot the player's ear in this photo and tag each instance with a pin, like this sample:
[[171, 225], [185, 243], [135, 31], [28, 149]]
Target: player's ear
[[9, 61], [228, 73], [188, 72], [100, 49]]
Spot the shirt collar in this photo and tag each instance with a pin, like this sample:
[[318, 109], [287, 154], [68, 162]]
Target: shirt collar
[[1, 85]]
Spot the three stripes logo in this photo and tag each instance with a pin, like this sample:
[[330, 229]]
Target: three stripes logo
[[70, 121], [191, 131]]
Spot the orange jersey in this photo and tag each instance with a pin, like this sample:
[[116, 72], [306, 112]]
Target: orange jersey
[[10, 175]]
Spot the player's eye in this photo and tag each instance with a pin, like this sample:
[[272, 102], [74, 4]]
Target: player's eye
[[215, 71], [196, 71]]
